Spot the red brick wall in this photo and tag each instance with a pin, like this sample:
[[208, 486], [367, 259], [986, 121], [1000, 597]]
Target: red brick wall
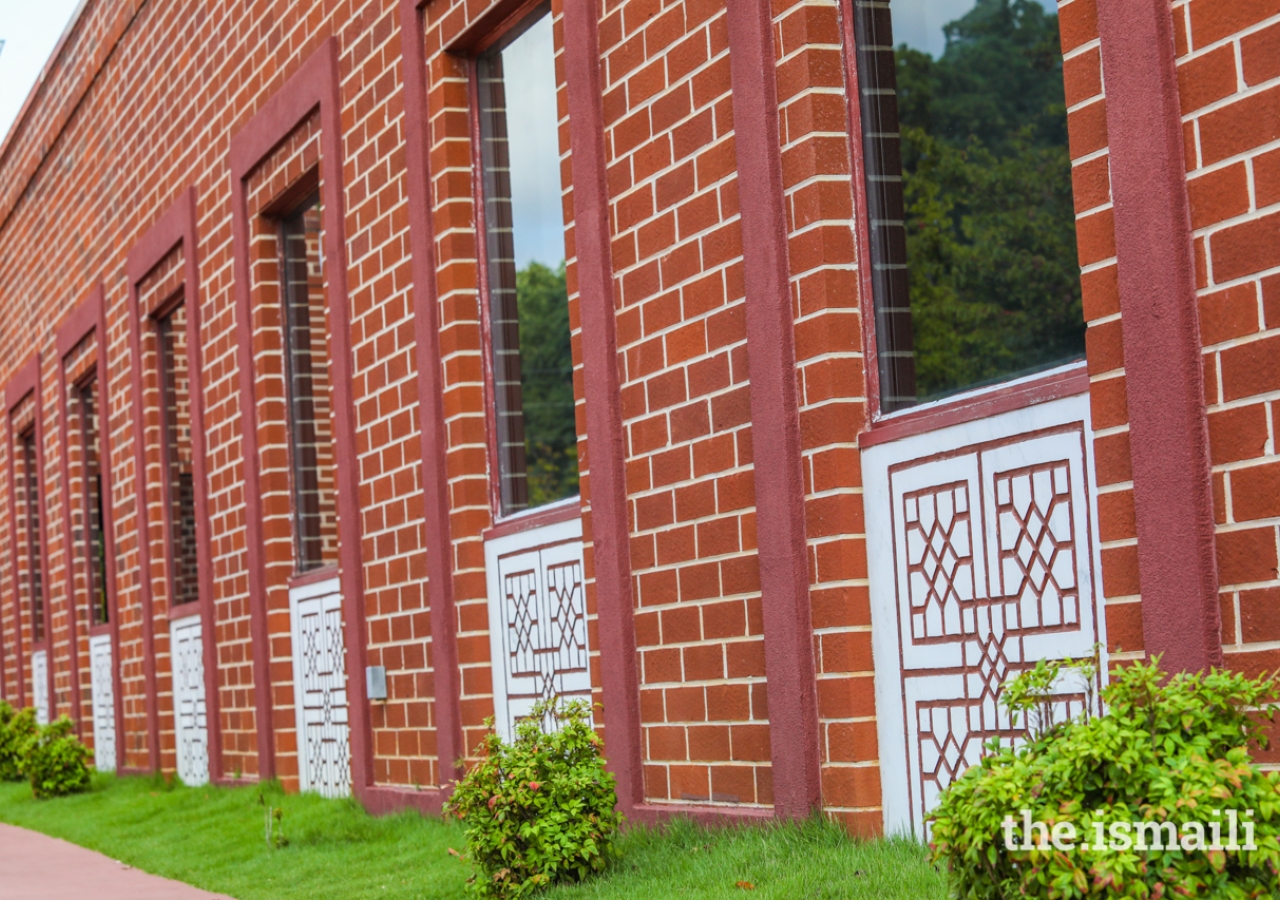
[[143, 102], [1229, 81]]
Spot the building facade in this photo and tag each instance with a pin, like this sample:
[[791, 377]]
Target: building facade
[[373, 368]]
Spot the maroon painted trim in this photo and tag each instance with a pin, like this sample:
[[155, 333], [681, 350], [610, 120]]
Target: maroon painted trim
[[23, 382], [538, 517], [490, 26], [610, 527], [315, 576], [108, 525], [315, 84], [27, 381], [1172, 493], [1068, 381], [706, 816], [187, 611], [79, 324], [775, 417], [438, 541], [380, 799], [175, 228]]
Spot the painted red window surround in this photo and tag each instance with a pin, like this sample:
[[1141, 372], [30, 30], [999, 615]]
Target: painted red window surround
[[599, 358], [1065, 381], [537, 517], [1164, 380], [314, 86], [27, 382], [89, 317], [175, 228], [1168, 429]]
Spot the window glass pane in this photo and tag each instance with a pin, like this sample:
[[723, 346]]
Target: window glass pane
[[175, 388], [95, 545], [528, 300], [306, 353], [29, 482], [969, 193]]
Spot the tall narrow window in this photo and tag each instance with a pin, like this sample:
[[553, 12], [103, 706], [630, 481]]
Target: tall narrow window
[[175, 436], [968, 178], [306, 354], [28, 478], [528, 306], [95, 544]]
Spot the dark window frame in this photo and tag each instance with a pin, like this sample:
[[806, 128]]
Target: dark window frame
[[29, 451], [888, 330], [162, 326], [508, 486], [306, 505], [96, 581]]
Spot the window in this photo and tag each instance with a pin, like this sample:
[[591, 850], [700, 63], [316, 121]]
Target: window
[[527, 301], [968, 179], [306, 368], [175, 436], [29, 481], [85, 411]]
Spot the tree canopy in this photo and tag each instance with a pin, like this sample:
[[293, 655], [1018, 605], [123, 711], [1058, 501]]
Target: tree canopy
[[991, 245], [546, 380]]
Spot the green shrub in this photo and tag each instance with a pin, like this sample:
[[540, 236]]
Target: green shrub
[[1167, 750], [55, 761], [539, 810], [16, 729]]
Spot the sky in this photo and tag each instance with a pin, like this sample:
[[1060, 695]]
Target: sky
[[529, 78], [30, 30], [918, 23]]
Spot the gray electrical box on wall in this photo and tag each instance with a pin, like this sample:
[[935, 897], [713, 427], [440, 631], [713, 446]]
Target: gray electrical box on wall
[[375, 680]]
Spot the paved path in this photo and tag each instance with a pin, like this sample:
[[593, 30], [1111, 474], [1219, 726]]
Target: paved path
[[35, 867]]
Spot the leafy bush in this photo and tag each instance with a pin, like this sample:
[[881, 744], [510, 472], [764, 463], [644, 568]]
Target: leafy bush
[[56, 761], [16, 729], [539, 810], [1170, 750]]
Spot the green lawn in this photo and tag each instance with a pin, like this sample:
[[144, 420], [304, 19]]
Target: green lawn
[[213, 838]]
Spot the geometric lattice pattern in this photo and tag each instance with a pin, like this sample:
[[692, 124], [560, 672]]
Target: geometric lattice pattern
[[40, 685], [191, 722], [102, 689], [940, 561], [320, 690], [988, 555], [540, 616], [1037, 546]]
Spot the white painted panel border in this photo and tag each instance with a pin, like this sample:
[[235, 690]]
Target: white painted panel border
[[190, 720], [537, 619], [102, 687], [965, 514], [40, 685], [320, 688]]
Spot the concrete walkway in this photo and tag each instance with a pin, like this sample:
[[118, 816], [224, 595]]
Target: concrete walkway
[[35, 867]]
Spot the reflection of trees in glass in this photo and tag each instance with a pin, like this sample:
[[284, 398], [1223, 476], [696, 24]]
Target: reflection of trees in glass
[[991, 244], [546, 382]]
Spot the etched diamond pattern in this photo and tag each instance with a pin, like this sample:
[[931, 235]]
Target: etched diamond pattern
[[190, 714], [541, 645], [983, 577], [103, 699], [323, 712]]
